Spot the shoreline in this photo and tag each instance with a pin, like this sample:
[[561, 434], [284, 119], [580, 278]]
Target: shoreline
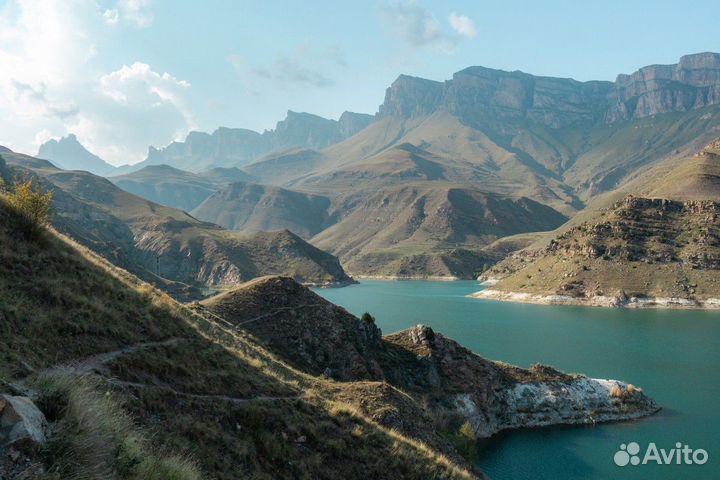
[[599, 301], [431, 278]]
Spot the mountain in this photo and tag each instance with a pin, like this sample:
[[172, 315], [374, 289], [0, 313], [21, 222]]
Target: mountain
[[177, 188], [659, 244], [251, 207], [234, 147], [417, 229], [69, 154], [279, 383], [166, 246], [434, 178]]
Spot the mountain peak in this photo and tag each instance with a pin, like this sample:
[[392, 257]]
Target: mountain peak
[[68, 153]]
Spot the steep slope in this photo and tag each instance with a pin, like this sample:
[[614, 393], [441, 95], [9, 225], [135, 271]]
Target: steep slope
[[281, 167], [89, 340], [429, 229], [560, 140], [177, 188], [69, 154], [454, 384], [234, 147], [251, 208], [157, 242], [661, 248]]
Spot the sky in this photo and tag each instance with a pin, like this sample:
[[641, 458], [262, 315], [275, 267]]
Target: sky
[[126, 74]]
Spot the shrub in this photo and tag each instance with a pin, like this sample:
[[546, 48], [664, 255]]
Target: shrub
[[367, 318], [32, 206]]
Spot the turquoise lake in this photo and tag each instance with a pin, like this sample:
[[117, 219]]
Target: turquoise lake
[[672, 354]]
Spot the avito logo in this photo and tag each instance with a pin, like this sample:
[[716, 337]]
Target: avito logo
[[680, 455]]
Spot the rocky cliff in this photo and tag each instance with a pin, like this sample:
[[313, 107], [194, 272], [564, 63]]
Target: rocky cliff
[[69, 154], [480, 95], [228, 147]]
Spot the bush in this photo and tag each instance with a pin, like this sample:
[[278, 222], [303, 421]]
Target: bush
[[367, 318], [32, 206]]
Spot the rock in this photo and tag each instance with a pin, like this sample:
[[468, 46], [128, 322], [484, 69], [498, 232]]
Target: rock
[[21, 422], [422, 335]]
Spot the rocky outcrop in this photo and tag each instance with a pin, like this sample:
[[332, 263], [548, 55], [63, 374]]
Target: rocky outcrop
[[692, 83], [21, 422], [411, 96], [350, 122], [69, 154], [493, 396], [227, 147], [488, 97]]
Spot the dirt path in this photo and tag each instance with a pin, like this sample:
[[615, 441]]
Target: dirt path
[[96, 365]]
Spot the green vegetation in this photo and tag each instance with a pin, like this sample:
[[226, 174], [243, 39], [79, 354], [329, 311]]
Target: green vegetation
[[92, 437], [31, 205]]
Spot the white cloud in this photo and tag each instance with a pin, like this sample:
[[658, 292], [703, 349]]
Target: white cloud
[[414, 24], [51, 84], [463, 25], [134, 12]]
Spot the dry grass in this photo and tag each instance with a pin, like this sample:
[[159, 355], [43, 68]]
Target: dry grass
[[60, 302], [92, 437]]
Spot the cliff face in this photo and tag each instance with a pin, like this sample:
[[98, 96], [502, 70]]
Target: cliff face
[[239, 146], [482, 95], [692, 83]]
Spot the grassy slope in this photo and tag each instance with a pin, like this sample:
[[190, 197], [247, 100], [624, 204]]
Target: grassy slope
[[60, 303], [251, 208], [190, 251], [665, 243]]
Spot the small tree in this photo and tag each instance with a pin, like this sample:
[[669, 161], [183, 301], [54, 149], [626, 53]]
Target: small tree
[[32, 206], [367, 318]]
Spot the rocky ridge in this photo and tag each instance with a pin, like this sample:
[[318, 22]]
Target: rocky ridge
[[453, 383]]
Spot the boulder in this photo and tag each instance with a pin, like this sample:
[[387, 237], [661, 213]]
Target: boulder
[[21, 422]]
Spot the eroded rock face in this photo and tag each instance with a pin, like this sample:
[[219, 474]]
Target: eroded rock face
[[21, 422], [493, 396], [486, 96], [537, 404]]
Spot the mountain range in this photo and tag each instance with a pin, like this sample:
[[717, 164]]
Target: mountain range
[[446, 168], [166, 246]]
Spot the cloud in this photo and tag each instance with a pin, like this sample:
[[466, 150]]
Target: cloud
[[414, 24], [288, 71], [463, 25], [131, 108], [133, 12], [306, 66], [51, 83]]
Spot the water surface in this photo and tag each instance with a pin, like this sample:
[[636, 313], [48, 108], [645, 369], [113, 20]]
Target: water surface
[[672, 354]]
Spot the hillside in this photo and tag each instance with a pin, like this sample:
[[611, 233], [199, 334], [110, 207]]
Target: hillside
[[660, 248], [417, 230], [177, 188], [69, 154], [250, 208], [162, 244], [104, 357]]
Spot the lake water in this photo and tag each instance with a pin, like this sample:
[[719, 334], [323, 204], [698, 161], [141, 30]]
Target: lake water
[[673, 355]]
